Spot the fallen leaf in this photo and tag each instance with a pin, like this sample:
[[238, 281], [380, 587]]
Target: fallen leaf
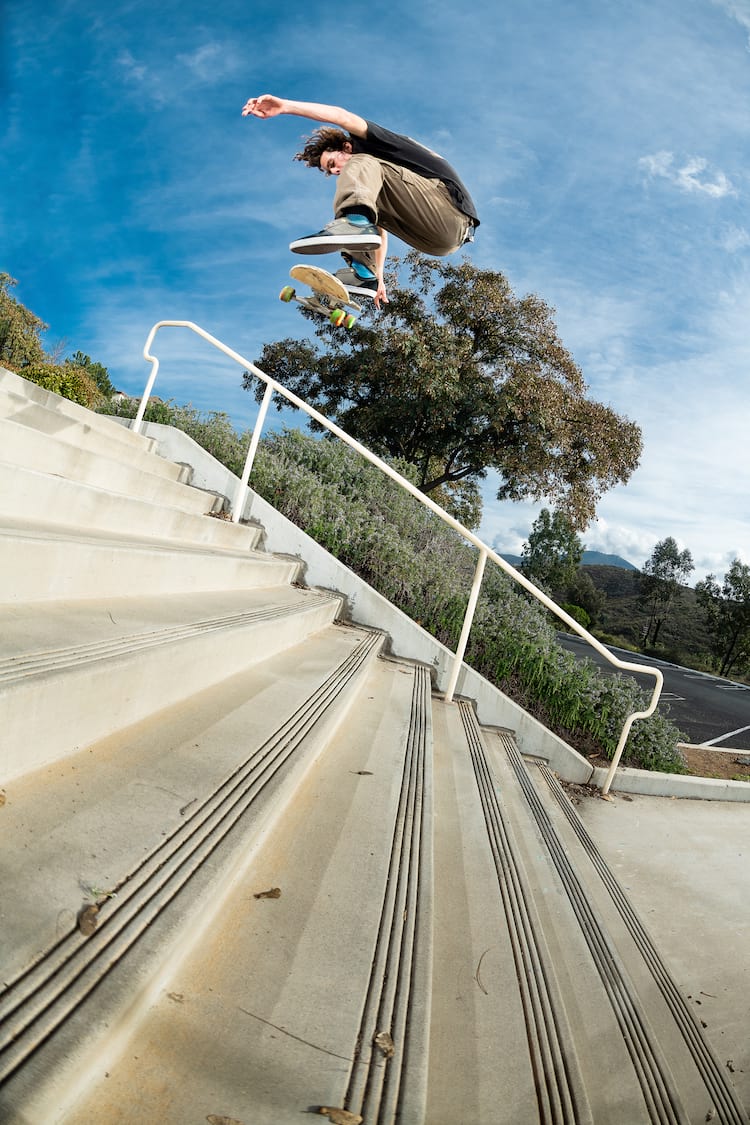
[[2, 797], [340, 1116], [384, 1042], [275, 892], [219, 1119], [88, 919]]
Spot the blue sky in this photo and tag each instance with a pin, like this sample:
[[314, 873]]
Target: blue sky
[[605, 144]]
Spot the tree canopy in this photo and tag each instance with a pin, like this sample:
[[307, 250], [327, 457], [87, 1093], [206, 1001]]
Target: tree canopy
[[664, 574], [552, 554], [727, 608], [96, 371], [457, 376], [20, 329]]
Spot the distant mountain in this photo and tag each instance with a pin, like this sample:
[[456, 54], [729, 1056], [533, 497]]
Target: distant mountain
[[590, 558], [597, 558]]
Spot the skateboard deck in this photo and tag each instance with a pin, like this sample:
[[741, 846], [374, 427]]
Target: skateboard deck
[[329, 297]]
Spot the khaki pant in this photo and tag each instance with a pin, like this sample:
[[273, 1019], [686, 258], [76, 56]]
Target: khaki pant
[[417, 210]]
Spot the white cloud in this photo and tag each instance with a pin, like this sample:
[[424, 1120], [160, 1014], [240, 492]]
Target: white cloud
[[689, 177], [140, 78], [734, 239], [210, 62], [738, 10]]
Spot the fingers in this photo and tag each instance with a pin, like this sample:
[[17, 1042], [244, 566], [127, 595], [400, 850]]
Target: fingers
[[380, 296], [255, 106], [267, 105]]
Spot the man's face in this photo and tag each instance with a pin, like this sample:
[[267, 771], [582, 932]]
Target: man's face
[[333, 160]]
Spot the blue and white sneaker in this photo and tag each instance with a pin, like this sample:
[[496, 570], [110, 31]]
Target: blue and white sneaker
[[352, 232], [358, 279]]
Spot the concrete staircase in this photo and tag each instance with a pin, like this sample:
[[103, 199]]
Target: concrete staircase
[[253, 866]]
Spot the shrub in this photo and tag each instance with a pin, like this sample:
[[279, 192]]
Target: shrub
[[66, 379], [577, 613]]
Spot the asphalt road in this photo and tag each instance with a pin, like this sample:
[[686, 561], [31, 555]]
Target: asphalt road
[[709, 710]]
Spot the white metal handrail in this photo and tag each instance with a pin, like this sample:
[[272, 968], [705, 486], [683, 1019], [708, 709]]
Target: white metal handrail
[[485, 552]]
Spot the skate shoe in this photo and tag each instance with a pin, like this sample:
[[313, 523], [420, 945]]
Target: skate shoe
[[352, 232], [359, 281]]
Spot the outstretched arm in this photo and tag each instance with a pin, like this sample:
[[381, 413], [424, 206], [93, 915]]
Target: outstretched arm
[[268, 105]]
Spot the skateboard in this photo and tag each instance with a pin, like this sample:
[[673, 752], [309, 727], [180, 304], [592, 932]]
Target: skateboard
[[329, 297]]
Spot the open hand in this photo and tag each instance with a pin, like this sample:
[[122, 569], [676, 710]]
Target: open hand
[[267, 105]]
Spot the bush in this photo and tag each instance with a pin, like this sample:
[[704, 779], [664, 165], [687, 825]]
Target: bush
[[577, 613], [67, 379]]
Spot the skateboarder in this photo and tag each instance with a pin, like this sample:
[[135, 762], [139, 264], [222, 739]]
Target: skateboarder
[[386, 182]]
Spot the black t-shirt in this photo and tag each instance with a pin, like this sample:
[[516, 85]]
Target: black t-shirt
[[401, 150]]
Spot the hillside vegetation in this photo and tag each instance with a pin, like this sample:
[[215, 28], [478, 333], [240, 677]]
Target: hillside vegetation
[[423, 567], [684, 638]]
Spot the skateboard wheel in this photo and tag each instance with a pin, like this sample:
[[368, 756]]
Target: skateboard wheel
[[337, 317], [350, 321], [287, 293]]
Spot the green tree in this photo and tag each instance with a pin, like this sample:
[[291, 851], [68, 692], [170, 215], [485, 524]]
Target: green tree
[[456, 376], [583, 592], [20, 329], [660, 584], [95, 371], [727, 609], [552, 554]]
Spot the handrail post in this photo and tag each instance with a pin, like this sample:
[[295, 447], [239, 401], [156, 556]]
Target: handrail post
[[239, 494], [625, 732], [150, 381], [466, 629]]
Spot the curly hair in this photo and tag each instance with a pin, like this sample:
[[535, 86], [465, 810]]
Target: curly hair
[[317, 143]]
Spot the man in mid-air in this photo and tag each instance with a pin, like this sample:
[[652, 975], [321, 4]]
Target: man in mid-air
[[386, 182]]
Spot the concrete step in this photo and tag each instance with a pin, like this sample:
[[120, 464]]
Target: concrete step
[[31, 449], [701, 1076], [134, 657], [26, 494], [42, 563], [643, 1055], [30, 405], [156, 834], [500, 1033], [289, 991]]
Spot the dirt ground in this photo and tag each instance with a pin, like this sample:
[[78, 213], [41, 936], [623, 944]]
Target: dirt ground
[[707, 763], [714, 763]]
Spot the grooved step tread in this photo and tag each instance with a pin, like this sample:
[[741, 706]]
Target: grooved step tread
[[131, 667], [149, 812], [276, 1010], [499, 1034]]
